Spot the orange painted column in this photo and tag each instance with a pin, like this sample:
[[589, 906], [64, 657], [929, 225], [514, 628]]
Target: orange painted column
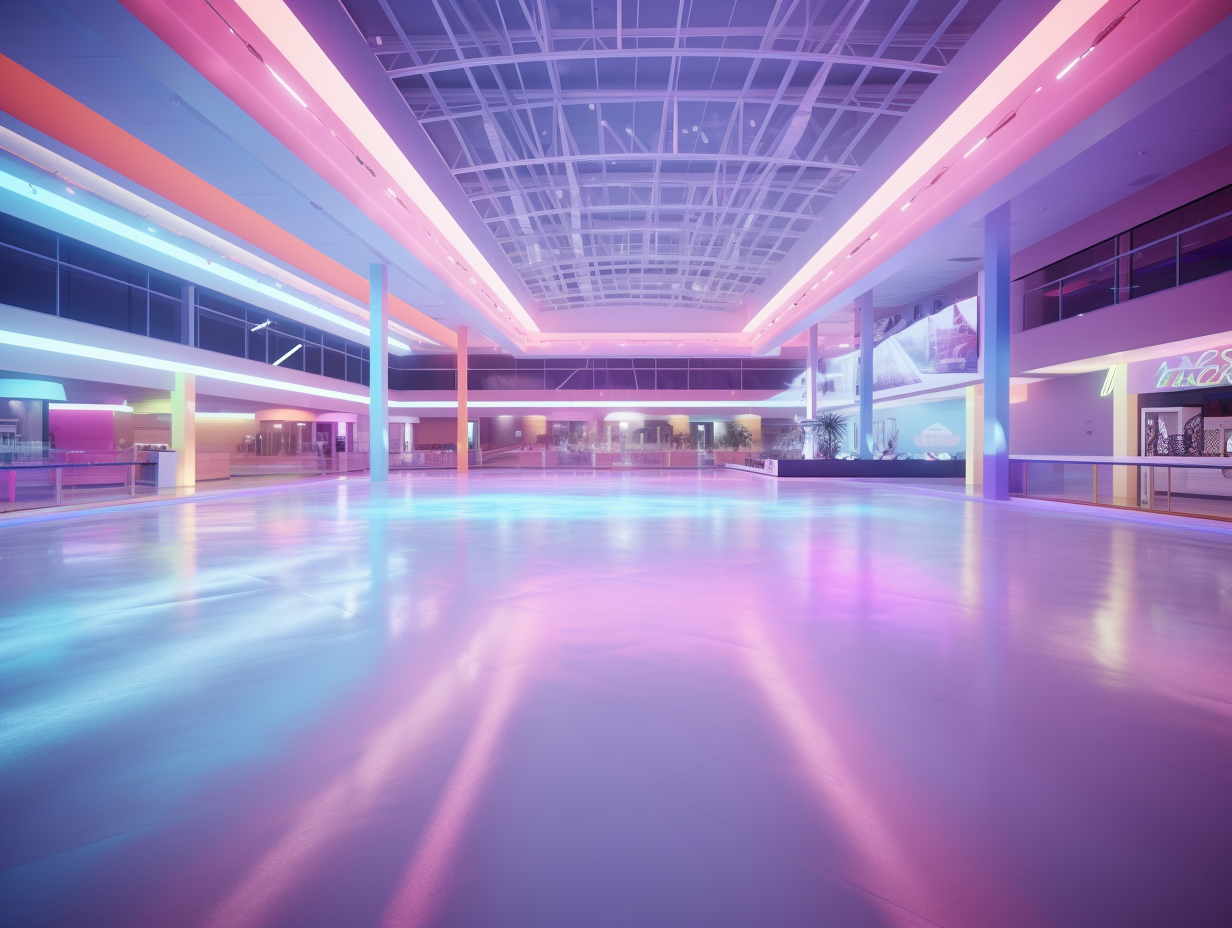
[[463, 461]]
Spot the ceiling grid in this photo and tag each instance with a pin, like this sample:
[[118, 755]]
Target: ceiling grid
[[658, 153]]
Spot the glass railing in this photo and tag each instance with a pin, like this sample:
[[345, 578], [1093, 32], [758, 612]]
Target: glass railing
[[1123, 270], [65, 478], [1193, 486]]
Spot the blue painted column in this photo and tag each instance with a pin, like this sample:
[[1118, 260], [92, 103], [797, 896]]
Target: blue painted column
[[378, 372], [810, 395], [865, 307], [997, 353]]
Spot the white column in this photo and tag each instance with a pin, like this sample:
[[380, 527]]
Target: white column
[[810, 392], [997, 353], [865, 442], [1124, 436], [378, 372], [184, 429]]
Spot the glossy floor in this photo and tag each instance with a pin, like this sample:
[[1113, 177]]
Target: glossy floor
[[601, 699]]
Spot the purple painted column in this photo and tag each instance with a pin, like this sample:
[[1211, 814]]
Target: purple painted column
[[997, 353]]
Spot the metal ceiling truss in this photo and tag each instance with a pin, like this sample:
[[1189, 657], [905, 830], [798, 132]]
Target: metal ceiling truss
[[664, 153]]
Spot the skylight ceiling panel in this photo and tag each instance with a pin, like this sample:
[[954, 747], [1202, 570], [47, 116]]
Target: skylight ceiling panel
[[736, 166], [583, 123]]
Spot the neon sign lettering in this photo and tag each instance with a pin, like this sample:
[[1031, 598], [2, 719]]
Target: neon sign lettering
[[1211, 369]]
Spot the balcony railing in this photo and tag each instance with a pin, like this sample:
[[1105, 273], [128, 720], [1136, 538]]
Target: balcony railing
[[1194, 486], [1123, 270]]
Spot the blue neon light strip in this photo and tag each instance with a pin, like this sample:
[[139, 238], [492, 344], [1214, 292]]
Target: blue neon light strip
[[39, 343], [70, 207]]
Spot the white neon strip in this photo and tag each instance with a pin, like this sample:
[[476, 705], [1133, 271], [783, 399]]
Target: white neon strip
[[226, 415], [288, 354], [101, 407], [1069, 66], [288, 34], [971, 150], [38, 343], [297, 97], [145, 239], [259, 326], [772, 402], [1049, 35]]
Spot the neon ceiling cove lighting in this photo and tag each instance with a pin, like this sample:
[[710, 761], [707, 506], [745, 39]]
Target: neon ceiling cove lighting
[[149, 240], [285, 32], [57, 346], [31, 390], [100, 407], [113, 193], [226, 415], [1052, 33], [772, 402]]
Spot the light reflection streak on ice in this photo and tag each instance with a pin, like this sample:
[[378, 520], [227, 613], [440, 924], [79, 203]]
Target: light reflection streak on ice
[[834, 753], [175, 667], [354, 796], [428, 877]]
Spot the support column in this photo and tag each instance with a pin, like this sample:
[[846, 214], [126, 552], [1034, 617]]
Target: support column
[[378, 372], [810, 395], [865, 442], [463, 462], [184, 429], [997, 353], [1124, 436], [975, 436]]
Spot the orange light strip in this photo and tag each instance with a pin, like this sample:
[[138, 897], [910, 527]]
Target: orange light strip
[[46, 108]]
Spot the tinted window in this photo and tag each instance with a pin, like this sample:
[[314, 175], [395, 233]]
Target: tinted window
[[90, 298], [27, 281], [218, 333], [23, 235], [165, 316], [100, 262]]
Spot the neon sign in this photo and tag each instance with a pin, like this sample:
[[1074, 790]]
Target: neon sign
[[1212, 368]]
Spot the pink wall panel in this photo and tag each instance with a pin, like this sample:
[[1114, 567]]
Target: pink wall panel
[[83, 429]]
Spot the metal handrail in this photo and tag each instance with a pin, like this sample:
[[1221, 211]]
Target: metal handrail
[[1152, 463], [57, 486], [1122, 254], [1146, 460]]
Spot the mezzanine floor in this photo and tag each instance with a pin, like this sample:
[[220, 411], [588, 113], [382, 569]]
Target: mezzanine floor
[[543, 699]]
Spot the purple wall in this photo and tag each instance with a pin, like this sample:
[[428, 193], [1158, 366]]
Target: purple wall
[[1055, 417], [1189, 311], [1196, 180]]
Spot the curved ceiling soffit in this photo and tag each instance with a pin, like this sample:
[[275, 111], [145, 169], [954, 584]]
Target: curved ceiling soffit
[[44, 107]]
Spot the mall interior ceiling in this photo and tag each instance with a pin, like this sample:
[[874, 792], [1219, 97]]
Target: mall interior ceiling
[[615, 462]]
